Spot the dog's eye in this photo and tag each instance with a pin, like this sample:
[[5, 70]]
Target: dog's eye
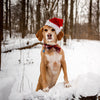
[[53, 29], [45, 30]]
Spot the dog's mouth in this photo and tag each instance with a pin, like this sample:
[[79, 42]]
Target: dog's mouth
[[49, 38]]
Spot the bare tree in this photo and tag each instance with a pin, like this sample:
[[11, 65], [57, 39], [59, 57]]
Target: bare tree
[[10, 17], [62, 9], [32, 21], [23, 19], [90, 19], [76, 13], [27, 14], [6, 20], [1, 27], [66, 21], [38, 15], [98, 18], [49, 8], [57, 9], [71, 18]]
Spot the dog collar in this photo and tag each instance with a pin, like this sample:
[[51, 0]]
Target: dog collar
[[56, 47]]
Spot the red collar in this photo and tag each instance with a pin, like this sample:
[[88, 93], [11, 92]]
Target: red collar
[[56, 47]]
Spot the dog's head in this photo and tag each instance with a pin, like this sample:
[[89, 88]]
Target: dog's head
[[48, 34]]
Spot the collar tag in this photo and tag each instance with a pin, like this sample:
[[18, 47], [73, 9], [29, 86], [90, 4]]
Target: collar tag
[[43, 51]]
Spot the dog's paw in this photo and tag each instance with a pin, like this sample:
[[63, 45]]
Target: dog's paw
[[46, 89], [67, 85]]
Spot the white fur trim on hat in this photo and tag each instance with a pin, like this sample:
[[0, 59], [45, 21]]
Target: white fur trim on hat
[[57, 29]]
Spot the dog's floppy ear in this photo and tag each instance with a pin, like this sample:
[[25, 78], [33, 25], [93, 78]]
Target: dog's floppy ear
[[60, 35], [39, 34]]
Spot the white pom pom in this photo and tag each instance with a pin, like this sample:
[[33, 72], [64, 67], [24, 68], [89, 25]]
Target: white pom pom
[[61, 28]]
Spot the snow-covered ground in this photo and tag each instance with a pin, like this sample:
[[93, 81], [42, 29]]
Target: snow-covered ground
[[21, 69]]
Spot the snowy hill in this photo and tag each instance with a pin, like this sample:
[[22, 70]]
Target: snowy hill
[[20, 72]]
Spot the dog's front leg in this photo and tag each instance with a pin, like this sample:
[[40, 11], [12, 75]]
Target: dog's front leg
[[43, 76], [66, 82], [64, 67]]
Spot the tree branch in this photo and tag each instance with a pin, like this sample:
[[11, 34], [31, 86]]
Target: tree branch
[[21, 48]]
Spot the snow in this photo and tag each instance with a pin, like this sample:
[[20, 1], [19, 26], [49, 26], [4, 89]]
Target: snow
[[17, 43], [21, 69], [5, 87]]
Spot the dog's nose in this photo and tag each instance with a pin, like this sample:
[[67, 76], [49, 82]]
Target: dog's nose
[[49, 36]]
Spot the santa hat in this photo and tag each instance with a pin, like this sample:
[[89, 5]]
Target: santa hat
[[55, 23]]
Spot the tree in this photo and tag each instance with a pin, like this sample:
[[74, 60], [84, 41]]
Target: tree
[[32, 21], [76, 13], [27, 14], [66, 21], [10, 17], [38, 15], [62, 9], [23, 19], [71, 18], [90, 19], [98, 18], [6, 20], [49, 7], [32, 14], [1, 27]]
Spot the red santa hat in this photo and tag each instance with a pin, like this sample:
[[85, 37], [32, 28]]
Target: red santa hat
[[55, 23]]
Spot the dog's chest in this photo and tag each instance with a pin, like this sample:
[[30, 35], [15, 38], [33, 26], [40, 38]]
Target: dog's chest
[[54, 62]]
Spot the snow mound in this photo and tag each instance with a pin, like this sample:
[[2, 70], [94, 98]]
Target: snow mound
[[18, 43], [84, 85], [6, 85]]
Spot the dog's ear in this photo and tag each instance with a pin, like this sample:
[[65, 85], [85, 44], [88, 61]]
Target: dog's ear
[[60, 35], [39, 34]]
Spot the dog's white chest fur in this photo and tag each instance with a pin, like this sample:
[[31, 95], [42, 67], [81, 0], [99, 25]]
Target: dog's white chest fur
[[54, 62]]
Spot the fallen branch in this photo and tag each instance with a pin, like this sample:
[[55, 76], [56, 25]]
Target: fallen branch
[[89, 98], [21, 48]]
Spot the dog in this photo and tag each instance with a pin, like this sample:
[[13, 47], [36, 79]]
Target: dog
[[52, 59]]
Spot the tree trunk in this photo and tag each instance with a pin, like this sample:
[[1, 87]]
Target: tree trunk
[[27, 13], [66, 21], [10, 18], [1, 27], [6, 20], [38, 15], [98, 19], [32, 19], [62, 10], [48, 12], [90, 19], [71, 18], [20, 17], [23, 19], [76, 34], [57, 10]]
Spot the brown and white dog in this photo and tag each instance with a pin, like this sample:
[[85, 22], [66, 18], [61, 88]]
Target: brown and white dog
[[52, 59]]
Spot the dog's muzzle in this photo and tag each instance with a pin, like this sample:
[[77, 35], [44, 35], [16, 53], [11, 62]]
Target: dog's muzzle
[[49, 36]]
